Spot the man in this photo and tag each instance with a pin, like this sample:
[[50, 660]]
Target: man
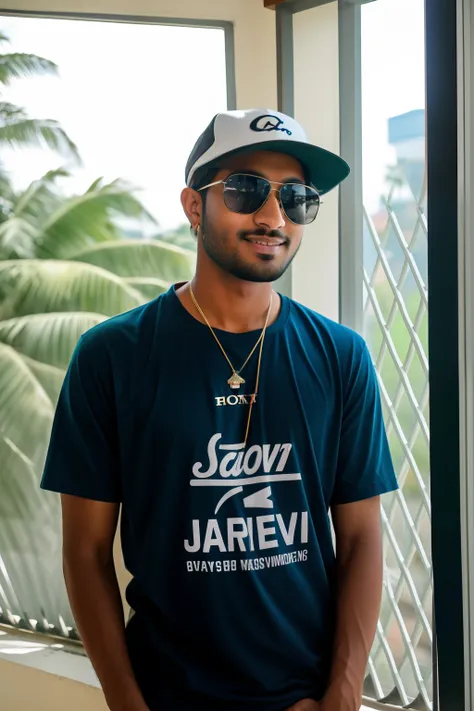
[[228, 422]]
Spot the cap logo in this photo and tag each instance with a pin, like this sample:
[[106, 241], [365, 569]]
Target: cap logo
[[269, 123]]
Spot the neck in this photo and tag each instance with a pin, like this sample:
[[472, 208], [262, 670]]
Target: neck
[[231, 304]]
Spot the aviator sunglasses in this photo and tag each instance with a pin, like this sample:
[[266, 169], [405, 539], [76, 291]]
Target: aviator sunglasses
[[246, 194]]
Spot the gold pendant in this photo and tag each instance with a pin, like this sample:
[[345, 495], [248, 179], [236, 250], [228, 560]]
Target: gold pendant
[[235, 381]]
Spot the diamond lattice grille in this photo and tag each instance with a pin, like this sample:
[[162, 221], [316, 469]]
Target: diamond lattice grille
[[395, 327]]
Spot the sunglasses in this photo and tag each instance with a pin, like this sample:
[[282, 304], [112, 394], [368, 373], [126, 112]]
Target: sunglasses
[[246, 194]]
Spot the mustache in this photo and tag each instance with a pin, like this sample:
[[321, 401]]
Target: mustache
[[262, 232]]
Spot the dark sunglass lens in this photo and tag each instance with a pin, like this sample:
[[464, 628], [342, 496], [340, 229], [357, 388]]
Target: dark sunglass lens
[[300, 203], [245, 193]]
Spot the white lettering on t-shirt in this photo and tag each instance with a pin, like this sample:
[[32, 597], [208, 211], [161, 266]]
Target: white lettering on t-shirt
[[238, 533], [235, 462]]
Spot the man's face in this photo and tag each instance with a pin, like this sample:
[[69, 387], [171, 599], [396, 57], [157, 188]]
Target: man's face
[[257, 247]]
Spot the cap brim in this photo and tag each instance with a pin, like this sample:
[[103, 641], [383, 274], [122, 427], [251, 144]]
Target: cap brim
[[326, 170]]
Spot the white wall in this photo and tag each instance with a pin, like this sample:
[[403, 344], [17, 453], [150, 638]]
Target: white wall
[[315, 277]]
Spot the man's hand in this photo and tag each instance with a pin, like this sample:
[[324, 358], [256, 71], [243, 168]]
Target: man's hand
[[305, 705], [130, 699], [340, 699]]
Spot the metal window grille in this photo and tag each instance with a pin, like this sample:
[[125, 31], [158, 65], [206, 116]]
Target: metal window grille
[[395, 327]]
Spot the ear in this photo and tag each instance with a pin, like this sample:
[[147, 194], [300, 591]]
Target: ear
[[192, 206]]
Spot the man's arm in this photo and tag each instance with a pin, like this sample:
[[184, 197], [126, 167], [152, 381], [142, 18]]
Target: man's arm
[[359, 591], [88, 534]]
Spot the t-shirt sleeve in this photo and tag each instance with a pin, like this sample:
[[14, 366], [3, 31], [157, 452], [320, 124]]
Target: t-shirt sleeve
[[364, 467], [82, 458]]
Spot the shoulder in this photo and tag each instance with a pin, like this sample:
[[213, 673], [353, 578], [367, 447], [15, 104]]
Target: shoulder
[[120, 334], [343, 340], [343, 351], [116, 353]]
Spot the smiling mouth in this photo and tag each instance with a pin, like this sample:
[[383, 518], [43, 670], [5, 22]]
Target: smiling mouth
[[266, 242]]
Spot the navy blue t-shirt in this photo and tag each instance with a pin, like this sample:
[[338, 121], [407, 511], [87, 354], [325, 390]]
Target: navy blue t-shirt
[[230, 548]]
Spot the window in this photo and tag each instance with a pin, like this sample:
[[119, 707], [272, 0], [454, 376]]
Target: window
[[125, 98], [395, 325]]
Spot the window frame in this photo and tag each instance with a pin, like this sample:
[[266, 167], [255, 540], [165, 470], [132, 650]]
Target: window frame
[[446, 197], [350, 133], [465, 27]]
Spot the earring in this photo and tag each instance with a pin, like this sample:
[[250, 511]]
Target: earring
[[196, 231]]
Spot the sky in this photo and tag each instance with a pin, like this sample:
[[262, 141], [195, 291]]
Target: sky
[[393, 80], [127, 97]]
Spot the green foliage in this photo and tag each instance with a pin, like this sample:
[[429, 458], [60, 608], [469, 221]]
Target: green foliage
[[407, 416], [17, 129], [43, 222], [180, 236], [64, 267], [18, 66]]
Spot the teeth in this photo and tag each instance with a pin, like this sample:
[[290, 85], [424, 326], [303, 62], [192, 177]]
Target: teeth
[[268, 244]]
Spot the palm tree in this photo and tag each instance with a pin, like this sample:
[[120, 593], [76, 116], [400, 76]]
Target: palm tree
[[180, 236], [17, 129], [64, 267]]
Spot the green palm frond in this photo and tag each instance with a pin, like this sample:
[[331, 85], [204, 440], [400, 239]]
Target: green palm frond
[[17, 481], [7, 195], [181, 236], [48, 338], [11, 112], [16, 65], [17, 239], [86, 219], [141, 258], [6, 186], [48, 376], [24, 214], [43, 133], [50, 286], [26, 415], [148, 286], [26, 411], [41, 197]]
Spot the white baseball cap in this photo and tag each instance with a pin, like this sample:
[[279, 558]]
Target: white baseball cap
[[237, 132]]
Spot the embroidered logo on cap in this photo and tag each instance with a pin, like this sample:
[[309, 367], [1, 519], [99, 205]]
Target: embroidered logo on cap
[[269, 123]]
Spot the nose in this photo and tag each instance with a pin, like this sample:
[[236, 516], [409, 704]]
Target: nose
[[271, 214]]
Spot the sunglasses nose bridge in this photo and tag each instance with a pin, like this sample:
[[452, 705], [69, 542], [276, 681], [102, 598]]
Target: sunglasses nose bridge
[[269, 213], [277, 192]]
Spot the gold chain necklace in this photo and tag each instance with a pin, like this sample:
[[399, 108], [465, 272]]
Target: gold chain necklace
[[235, 380]]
